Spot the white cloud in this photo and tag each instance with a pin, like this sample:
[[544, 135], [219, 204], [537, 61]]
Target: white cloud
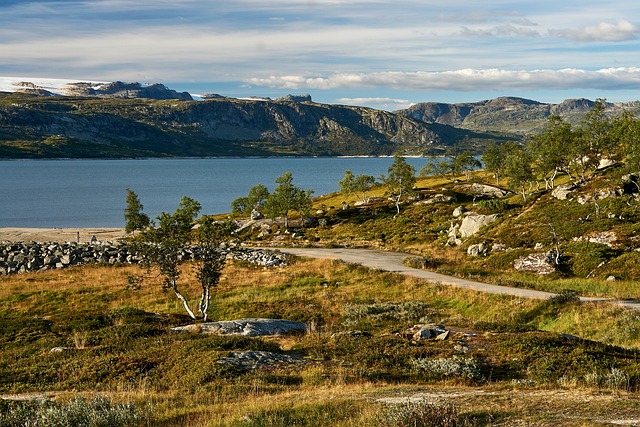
[[507, 30], [621, 31], [389, 104], [465, 80]]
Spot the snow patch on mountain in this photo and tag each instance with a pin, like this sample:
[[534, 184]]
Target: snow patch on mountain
[[54, 86]]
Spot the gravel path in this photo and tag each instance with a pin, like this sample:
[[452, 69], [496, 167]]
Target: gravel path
[[392, 261]]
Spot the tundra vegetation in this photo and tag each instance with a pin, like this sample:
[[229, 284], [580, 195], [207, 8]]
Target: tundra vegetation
[[67, 336]]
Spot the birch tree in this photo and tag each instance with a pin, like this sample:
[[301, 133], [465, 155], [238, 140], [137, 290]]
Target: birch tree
[[400, 179]]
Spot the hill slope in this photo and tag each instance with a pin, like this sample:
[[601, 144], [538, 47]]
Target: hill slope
[[35, 126], [507, 114]]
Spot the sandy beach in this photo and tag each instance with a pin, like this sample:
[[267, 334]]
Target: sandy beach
[[82, 235]]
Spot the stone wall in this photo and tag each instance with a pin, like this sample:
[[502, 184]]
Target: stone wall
[[33, 256]]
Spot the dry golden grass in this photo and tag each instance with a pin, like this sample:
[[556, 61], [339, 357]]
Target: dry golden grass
[[319, 290]]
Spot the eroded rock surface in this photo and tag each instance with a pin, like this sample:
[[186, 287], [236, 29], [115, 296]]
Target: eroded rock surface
[[252, 327]]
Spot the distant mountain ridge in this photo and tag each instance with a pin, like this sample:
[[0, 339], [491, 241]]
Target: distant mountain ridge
[[507, 114], [104, 120]]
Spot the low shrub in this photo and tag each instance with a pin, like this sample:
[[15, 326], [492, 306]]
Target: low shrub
[[96, 412], [452, 367], [377, 313], [421, 414]]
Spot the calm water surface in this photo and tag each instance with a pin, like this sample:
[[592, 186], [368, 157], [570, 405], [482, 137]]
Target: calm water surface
[[91, 193]]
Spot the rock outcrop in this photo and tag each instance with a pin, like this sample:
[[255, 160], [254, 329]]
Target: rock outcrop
[[540, 263], [248, 360], [126, 90], [473, 222], [251, 327]]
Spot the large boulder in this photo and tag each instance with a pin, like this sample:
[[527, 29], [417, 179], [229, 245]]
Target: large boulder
[[473, 222], [485, 190], [540, 263]]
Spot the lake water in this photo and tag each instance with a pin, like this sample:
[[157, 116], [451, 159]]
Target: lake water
[[91, 193]]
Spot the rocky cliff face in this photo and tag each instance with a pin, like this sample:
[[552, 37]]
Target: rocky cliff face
[[506, 114], [125, 90], [36, 126]]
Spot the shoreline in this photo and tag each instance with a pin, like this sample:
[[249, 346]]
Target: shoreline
[[80, 235]]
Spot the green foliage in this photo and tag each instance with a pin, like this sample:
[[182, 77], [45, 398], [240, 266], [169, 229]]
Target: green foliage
[[78, 412], [490, 206], [287, 197], [134, 218], [161, 248], [400, 179], [351, 183], [381, 313], [256, 199]]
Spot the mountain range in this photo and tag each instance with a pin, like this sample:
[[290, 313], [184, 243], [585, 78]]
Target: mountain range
[[112, 120]]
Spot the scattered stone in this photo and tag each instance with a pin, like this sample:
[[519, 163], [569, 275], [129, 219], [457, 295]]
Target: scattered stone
[[473, 222], [352, 334], [59, 349], [252, 327], [562, 192], [499, 247], [540, 263], [34, 256], [256, 215], [457, 212], [428, 331], [248, 360], [478, 249], [611, 278], [438, 198], [443, 336], [607, 238], [486, 190]]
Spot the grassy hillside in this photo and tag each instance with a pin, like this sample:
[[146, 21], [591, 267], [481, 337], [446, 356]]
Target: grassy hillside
[[596, 230], [503, 358], [86, 332]]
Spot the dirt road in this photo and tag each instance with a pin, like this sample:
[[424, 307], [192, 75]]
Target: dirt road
[[392, 261]]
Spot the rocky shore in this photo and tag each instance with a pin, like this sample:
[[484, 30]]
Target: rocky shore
[[20, 257]]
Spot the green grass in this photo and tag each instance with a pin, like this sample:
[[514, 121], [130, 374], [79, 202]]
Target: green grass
[[116, 342]]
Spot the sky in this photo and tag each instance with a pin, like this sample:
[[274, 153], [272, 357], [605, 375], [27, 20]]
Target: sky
[[386, 54]]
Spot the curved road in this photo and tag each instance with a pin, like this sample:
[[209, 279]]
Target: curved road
[[392, 261]]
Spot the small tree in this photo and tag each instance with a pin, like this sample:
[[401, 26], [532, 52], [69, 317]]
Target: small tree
[[255, 200], [210, 263], [551, 149], [287, 197], [134, 218], [351, 183], [400, 179], [518, 169], [161, 245], [465, 162]]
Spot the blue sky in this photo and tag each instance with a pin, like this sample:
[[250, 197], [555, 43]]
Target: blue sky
[[383, 54]]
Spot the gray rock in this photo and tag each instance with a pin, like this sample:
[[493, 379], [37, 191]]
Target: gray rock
[[252, 327], [473, 222], [428, 331], [607, 238], [457, 212], [479, 249], [247, 360], [540, 263], [256, 215], [562, 192], [486, 190]]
